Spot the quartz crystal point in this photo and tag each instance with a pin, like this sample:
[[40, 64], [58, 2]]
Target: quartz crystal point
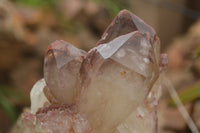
[[119, 73], [61, 70], [114, 88], [124, 23]]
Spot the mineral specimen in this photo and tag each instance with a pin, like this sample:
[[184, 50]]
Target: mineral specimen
[[113, 88]]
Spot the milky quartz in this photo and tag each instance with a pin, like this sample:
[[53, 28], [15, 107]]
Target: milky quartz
[[113, 88], [38, 98]]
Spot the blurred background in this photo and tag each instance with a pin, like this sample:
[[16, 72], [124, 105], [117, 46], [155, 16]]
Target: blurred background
[[27, 27]]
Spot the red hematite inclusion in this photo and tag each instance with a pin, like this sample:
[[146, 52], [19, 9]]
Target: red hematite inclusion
[[113, 88]]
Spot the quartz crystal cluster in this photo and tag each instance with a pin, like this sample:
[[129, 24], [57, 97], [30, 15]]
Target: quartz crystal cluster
[[113, 88]]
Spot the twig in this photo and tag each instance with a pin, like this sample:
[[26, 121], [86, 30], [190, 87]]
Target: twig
[[180, 106]]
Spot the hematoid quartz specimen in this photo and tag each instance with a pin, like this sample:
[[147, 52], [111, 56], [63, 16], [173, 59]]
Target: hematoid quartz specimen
[[113, 88]]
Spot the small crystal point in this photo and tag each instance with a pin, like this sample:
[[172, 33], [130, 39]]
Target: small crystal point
[[125, 22], [38, 98], [61, 70]]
